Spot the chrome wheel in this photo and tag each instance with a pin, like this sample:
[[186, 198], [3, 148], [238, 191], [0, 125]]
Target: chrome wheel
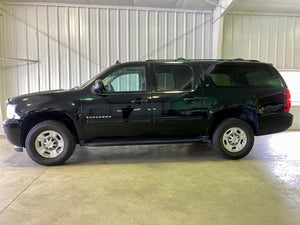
[[49, 144], [234, 139]]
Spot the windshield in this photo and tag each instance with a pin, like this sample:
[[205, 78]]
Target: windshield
[[88, 82]]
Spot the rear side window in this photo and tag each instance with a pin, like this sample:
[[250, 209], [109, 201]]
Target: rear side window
[[173, 77], [243, 75]]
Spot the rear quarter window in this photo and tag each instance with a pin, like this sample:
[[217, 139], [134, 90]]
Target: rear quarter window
[[248, 75]]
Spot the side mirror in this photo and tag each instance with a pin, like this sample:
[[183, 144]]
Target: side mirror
[[98, 87]]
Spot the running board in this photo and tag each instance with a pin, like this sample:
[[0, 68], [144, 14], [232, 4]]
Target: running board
[[143, 141]]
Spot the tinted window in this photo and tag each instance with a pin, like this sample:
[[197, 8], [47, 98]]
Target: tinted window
[[127, 79], [246, 75], [173, 77]]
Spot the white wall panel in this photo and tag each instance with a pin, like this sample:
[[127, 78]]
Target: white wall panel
[[2, 87], [84, 44], [200, 36], [32, 48], [133, 40], [94, 56], [104, 38], [73, 43], [10, 68], [142, 34], [74, 46], [43, 48], [21, 50], [269, 38], [63, 45], [53, 48]]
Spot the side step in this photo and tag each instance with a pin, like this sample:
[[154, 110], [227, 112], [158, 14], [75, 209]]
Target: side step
[[143, 141]]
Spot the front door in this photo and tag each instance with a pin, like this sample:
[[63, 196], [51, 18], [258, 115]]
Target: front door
[[122, 109]]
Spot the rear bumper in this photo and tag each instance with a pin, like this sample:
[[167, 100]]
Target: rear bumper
[[12, 131], [274, 123]]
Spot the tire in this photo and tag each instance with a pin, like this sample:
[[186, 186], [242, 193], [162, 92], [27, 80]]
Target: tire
[[50, 143], [233, 138]]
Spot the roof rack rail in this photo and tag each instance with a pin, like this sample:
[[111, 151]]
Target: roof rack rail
[[180, 59]]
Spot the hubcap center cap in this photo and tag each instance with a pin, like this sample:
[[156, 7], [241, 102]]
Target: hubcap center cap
[[234, 139], [50, 143]]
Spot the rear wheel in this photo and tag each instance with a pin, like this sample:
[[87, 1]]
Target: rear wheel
[[49, 143], [233, 138]]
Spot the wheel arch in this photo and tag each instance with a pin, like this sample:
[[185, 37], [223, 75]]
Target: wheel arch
[[246, 114], [34, 118]]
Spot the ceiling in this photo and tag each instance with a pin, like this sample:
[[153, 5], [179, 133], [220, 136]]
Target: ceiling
[[169, 4], [253, 6], [267, 6]]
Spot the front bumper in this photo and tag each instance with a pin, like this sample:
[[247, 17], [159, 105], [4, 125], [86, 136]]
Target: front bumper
[[12, 131], [274, 123]]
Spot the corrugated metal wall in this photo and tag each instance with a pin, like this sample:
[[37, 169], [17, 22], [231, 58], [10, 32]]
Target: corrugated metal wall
[[73, 43], [268, 38]]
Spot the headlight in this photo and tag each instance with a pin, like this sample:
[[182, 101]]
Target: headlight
[[10, 111]]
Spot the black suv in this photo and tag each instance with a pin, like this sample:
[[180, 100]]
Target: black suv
[[154, 101]]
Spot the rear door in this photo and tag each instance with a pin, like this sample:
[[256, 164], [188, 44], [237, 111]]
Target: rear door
[[176, 100]]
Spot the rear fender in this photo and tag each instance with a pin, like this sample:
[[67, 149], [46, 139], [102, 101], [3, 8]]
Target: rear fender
[[246, 114]]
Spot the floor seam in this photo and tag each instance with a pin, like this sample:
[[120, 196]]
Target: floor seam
[[18, 195]]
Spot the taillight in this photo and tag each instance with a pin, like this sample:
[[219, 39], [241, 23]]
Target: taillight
[[287, 100]]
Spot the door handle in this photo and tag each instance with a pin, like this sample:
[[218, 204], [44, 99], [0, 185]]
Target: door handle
[[191, 100], [139, 101]]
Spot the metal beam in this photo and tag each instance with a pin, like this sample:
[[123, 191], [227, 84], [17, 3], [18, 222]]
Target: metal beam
[[19, 59], [216, 4]]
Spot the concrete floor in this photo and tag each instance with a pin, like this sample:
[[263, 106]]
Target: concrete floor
[[157, 184]]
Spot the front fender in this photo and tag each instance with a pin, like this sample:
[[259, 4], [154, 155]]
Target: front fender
[[30, 119]]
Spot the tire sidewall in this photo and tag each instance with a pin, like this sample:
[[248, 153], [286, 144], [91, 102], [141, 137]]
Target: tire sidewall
[[218, 138], [69, 143]]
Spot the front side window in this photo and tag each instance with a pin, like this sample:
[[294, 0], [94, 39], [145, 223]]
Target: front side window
[[127, 79], [173, 77]]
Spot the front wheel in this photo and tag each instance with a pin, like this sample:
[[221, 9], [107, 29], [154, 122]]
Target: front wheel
[[233, 138], [49, 143]]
